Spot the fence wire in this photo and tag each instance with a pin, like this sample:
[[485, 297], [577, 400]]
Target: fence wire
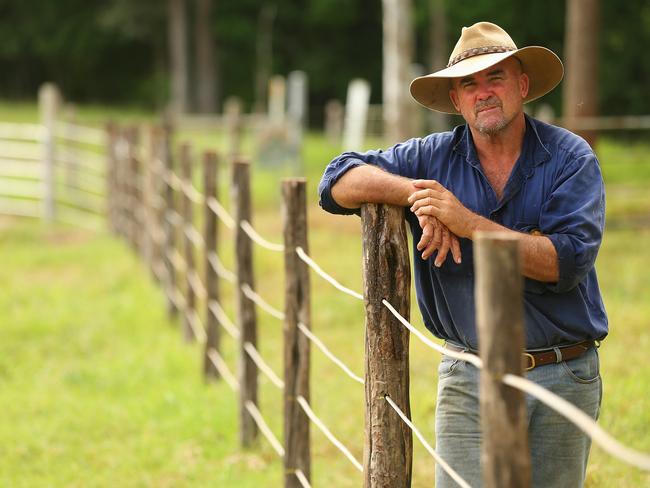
[[323, 428], [443, 464], [260, 302], [262, 366], [264, 428], [220, 314], [223, 369], [313, 265], [312, 337]]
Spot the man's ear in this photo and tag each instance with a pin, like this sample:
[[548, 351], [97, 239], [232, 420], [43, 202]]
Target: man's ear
[[453, 96], [524, 85]]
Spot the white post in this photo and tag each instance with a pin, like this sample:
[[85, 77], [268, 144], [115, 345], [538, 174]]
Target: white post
[[48, 100], [356, 114]]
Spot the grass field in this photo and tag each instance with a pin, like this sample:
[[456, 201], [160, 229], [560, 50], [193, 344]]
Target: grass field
[[98, 389]]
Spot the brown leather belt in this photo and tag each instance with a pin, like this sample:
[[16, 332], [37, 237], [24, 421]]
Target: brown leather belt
[[548, 356]]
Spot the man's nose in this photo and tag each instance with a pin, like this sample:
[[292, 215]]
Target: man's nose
[[483, 91]]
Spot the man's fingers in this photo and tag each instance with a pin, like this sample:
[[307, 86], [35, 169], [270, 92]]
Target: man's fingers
[[427, 234], [455, 249], [422, 195], [443, 249]]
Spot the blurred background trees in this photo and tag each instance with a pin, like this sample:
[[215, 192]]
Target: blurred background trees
[[119, 51]]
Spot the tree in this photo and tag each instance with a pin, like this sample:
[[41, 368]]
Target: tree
[[581, 49], [178, 60], [207, 90], [397, 71]]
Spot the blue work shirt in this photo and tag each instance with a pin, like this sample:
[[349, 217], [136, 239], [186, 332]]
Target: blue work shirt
[[555, 188]]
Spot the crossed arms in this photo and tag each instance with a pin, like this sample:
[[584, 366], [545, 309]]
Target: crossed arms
[[441, 216]]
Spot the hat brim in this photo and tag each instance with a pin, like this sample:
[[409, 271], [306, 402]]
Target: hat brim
[[543, 67]]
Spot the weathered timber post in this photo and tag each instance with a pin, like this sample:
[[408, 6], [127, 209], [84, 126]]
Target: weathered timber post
[[168, 224], [112, 196], [500, 322], [146, 204], [296, 346], [122, 189], [133, 183], [48, 101], [188, 246], [388, 447], [211, 238], [71, 163], [156, 223], [246, 315]]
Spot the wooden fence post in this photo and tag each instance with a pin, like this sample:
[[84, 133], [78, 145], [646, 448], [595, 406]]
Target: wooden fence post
[[388, 447], [132, 183], [111, 175], [157, 237], [168, 225], [49, 100], [500, 322], [121, 179], [296, 345], [211, 239], [188, 246], [246, 315]]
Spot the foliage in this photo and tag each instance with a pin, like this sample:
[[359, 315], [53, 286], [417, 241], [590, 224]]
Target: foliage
[[115, 50]]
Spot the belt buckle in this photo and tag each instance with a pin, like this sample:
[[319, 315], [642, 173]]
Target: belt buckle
[[532, 361]]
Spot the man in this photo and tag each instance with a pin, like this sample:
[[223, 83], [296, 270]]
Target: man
[[503, 171]]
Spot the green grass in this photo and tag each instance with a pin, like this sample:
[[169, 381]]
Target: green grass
[[98, 388]]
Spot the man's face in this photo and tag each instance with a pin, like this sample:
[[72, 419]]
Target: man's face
[[490, 99]]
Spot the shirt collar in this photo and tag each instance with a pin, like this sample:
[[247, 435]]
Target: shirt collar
[[532, 145]]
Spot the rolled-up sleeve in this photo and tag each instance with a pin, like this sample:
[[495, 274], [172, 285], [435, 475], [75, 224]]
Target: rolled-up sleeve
[[573, 218], [402, 159]]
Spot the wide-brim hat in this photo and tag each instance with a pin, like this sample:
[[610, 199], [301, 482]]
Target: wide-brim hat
[[480, 46]]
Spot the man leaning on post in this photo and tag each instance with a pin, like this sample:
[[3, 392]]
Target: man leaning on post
[[500, 171]]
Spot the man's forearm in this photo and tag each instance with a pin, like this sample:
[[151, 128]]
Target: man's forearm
[[538, 255], [370, 184]]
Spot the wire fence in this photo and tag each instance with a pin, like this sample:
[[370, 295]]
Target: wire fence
[[175, 220], [151, 206]]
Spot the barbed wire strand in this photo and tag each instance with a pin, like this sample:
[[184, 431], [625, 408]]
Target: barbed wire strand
[[319, 423], [176, 259], [221, 212], [302, 478], [197, 327], [261, 364], [258, 239], [312, 337], [192, 193], [197, 285], [222, 367], [220, 269], [471, 358], [581, 420], [264, 428], [220, 314], [194, 236], [443, 464], [313, 265], [173, 217], [260, 302]]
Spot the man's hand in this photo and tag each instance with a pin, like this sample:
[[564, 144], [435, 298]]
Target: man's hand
[[435, 236], [434, 200]]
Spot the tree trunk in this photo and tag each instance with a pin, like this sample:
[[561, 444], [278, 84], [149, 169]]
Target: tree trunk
[[264, 55], [581, 58], [178, 61], [398, 56], [438, 54], [206, 86]]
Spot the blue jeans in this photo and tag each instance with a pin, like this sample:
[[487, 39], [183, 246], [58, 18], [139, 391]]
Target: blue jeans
[[559, 450]]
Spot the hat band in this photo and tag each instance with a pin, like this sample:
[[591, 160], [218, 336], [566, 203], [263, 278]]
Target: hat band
[[480, 50]]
